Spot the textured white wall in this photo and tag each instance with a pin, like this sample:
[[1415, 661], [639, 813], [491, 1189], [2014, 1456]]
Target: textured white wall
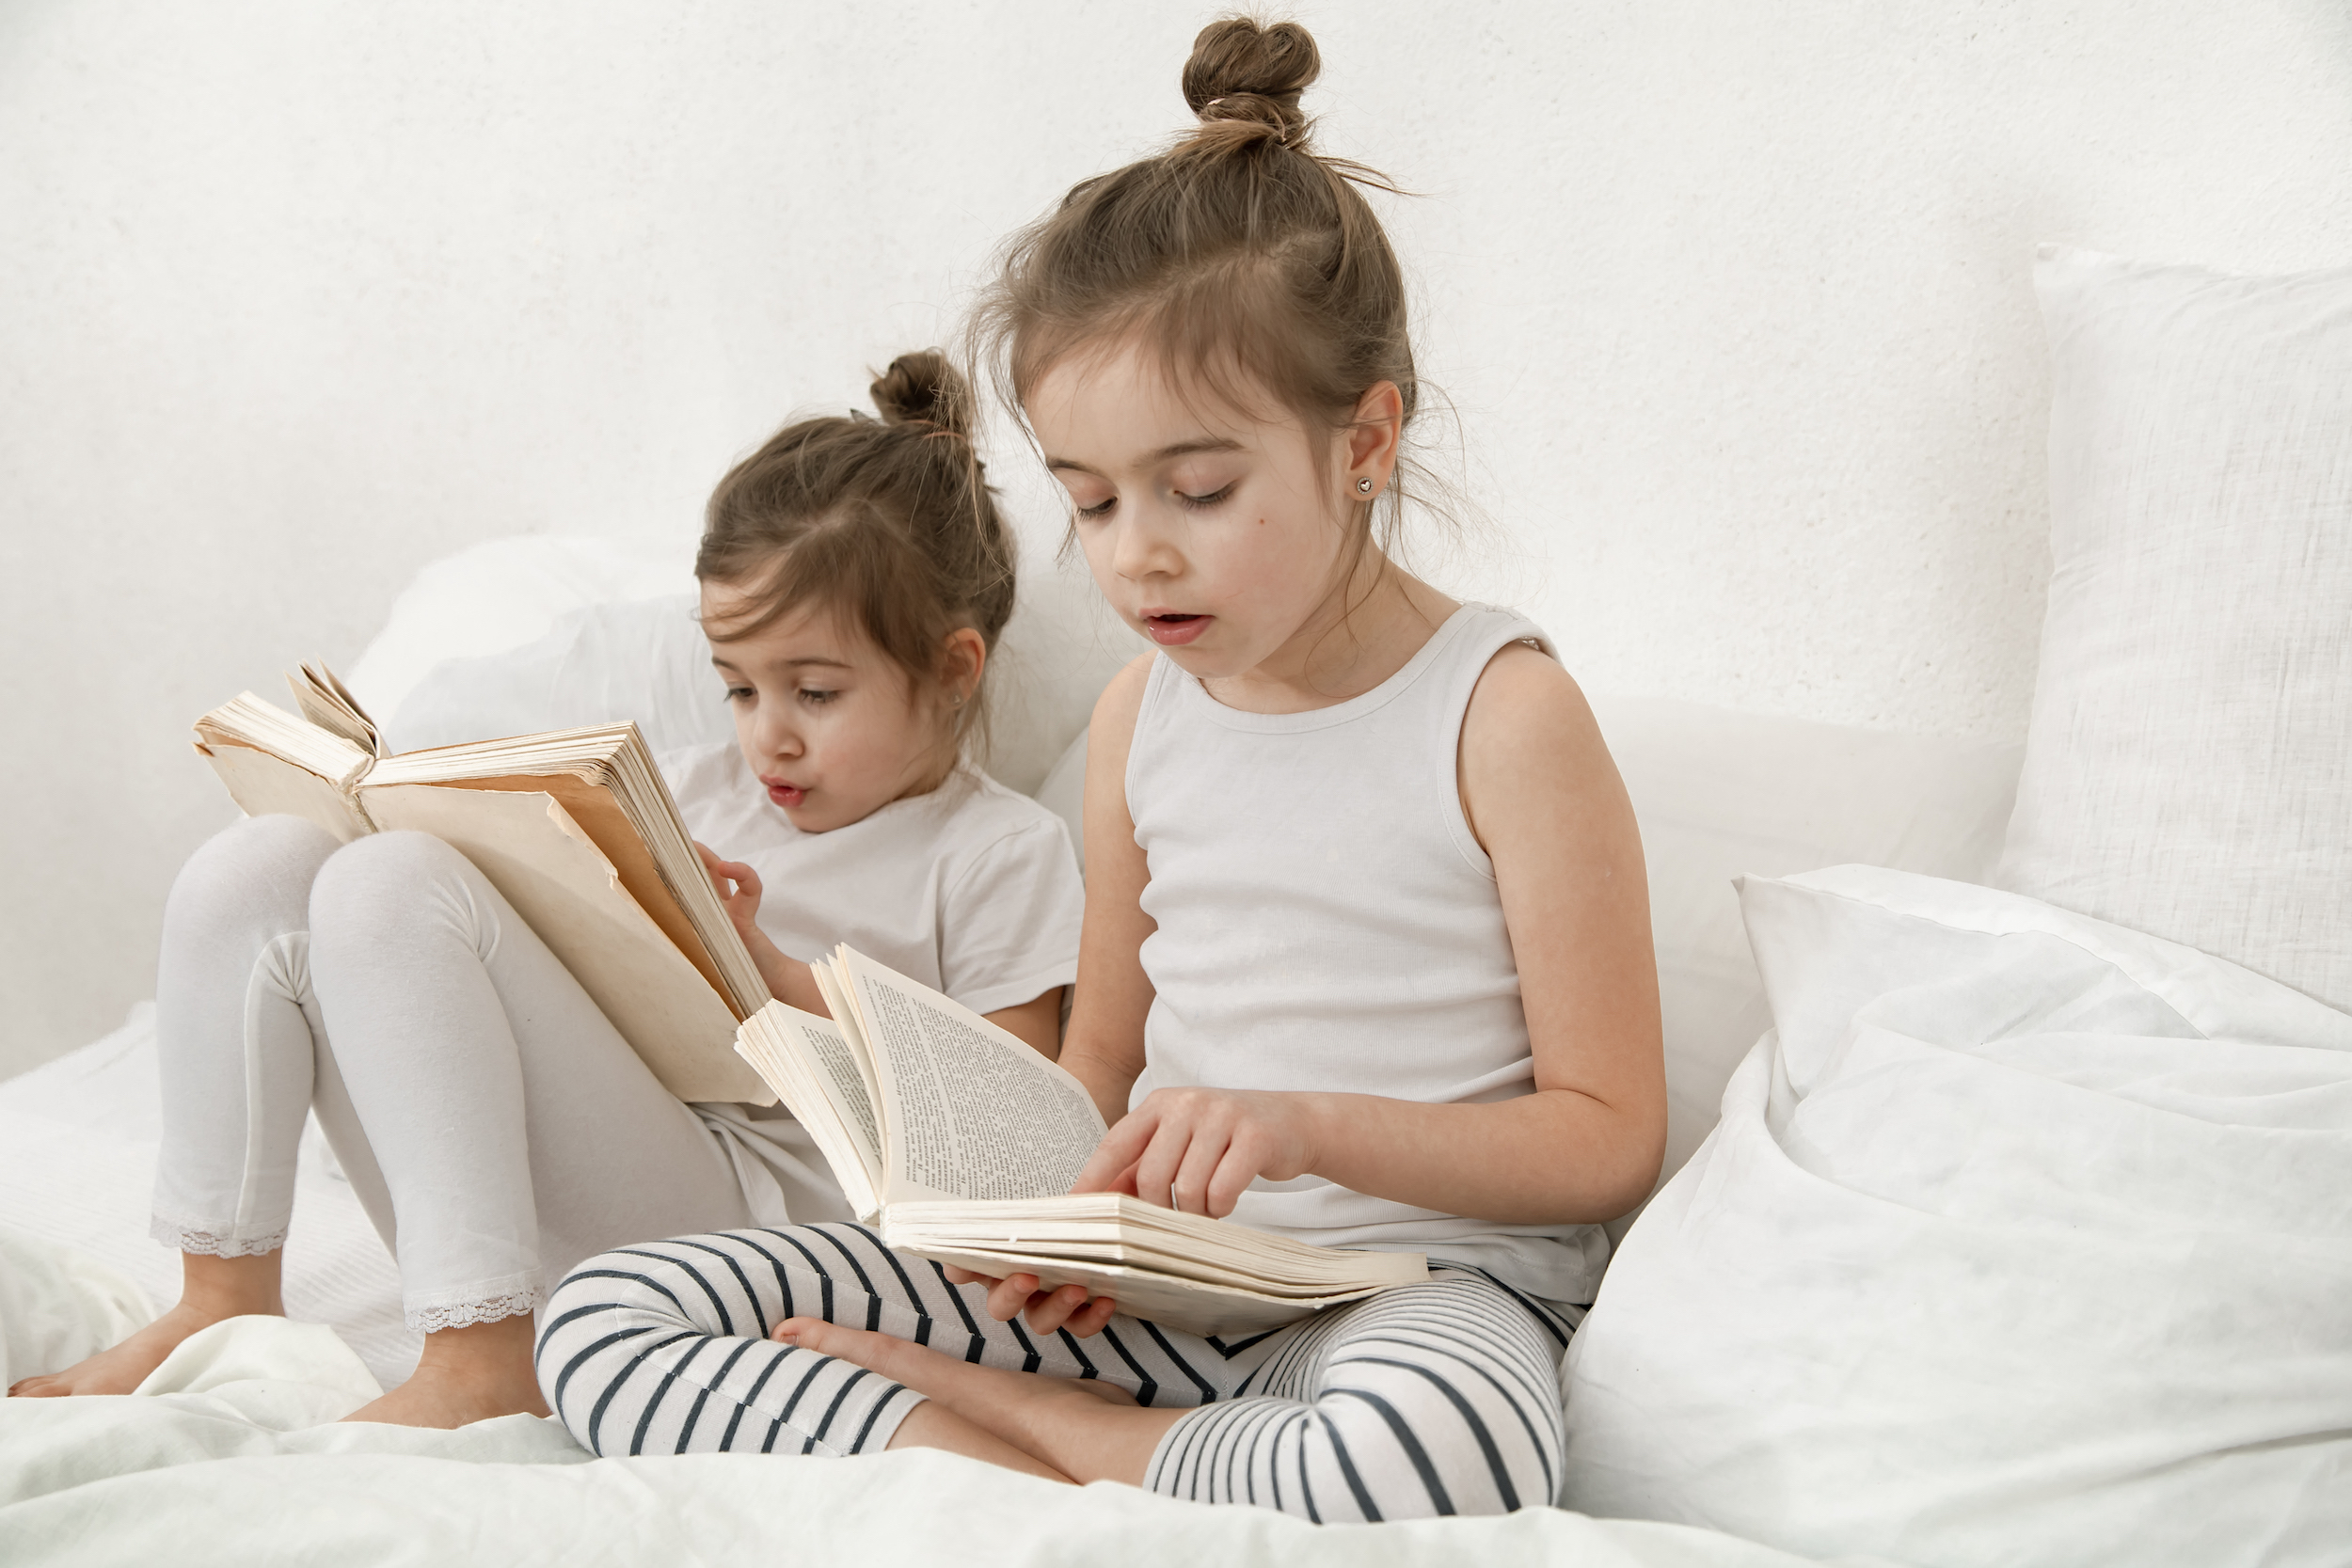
[[1732, 300]]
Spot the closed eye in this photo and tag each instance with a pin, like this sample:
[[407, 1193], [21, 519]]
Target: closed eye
[[741, 694], [1203, 503], [815, 698]]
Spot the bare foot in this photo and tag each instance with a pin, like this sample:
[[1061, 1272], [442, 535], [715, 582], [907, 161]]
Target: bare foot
[[475, 1373], [439, 1397], [211, 1290], [1081, 1427], [123, 1367]]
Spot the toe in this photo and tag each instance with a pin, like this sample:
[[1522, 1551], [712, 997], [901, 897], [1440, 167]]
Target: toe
[[877, 1353]]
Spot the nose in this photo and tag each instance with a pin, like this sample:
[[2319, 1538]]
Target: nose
[[1145, 547], [773, 733]]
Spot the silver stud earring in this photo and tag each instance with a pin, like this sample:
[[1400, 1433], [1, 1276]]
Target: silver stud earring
[[1363, 485]]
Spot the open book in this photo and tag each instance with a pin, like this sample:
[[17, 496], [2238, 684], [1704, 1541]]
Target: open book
[[961, 1142], [575, 828]]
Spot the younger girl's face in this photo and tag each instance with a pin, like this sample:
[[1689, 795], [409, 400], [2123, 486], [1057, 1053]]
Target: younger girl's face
[[834, 728], [1215, 534]]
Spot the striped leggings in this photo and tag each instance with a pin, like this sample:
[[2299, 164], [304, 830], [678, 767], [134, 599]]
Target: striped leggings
[[1433, 1399]]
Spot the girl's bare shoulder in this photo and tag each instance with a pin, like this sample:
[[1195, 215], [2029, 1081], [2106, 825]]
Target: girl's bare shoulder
[[1529, 738], [1113, 725]]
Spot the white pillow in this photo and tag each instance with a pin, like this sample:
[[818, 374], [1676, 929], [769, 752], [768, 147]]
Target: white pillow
[[644, 660], [546, 632], [2025, 1240], [2188, 771], [500, 594], [1720, 794]]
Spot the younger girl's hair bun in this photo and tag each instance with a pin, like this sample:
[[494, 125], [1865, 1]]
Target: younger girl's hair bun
[[923, 387], [1240, 74]]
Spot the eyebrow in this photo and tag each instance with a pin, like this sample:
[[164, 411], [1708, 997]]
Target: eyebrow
[[787, 663], [1165, 455]]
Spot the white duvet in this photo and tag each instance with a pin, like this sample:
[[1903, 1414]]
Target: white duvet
[[2024, 1240], [222, 1458]]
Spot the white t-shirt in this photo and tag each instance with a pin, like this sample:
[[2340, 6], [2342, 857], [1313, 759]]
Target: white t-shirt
[[971, 888]]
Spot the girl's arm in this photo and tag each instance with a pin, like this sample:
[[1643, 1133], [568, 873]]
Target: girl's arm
[[789, 979], [1104, 1048], [1545, 800]]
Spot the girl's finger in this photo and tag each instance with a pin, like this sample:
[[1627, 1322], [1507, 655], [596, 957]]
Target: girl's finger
[[1117, 1152], [1010, 1295], [966, 1276], [1089, 1319], [1234, 1173], [1204, 1154], [1050, 1311], [1155, 1171]]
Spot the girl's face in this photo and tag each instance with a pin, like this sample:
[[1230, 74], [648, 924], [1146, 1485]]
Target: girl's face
[[834, 728], [1215, 534]]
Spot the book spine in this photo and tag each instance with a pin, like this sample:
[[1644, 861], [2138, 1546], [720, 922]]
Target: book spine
[[349, 784]]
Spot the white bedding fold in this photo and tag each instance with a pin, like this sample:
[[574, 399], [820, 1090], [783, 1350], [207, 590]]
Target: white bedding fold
[[2023, 1239]]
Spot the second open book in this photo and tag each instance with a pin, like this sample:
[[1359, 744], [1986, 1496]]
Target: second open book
[[959, 1142]]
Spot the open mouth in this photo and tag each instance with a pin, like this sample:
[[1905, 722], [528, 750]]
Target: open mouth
[[787, 795], [1174, 628]]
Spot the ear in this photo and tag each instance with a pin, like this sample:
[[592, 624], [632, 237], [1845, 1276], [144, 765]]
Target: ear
[[1373, 435], [962, 660]]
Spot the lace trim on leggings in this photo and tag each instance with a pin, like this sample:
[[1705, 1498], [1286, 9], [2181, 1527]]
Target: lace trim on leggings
[[465, 1314], [210, 1244]]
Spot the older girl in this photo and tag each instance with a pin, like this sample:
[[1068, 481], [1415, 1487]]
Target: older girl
[[855, 574], [1367, 951]]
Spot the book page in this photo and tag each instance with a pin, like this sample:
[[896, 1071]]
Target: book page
[[328, 704], [812, 1068], [831, 987], [609, 781], [245, 719], [1188, 1305], [593, 808], [266, 784], [564, 887], [968, 1110]]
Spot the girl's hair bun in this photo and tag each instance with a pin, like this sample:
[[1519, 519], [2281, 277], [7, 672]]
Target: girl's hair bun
[[1242, 74], [923, 387]]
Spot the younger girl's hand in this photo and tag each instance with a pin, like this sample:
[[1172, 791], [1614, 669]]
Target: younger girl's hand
[[737, 886], [1196, 1150], [1045, 1311]]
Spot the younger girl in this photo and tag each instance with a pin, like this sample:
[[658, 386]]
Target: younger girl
[[855, 574], [1367, 953]]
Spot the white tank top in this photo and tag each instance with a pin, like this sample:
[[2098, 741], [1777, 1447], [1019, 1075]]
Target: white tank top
[[1326, 922]]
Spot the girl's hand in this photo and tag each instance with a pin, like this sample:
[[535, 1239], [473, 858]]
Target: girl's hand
[[1045, 1310], [737, 886], [1196, 1150]]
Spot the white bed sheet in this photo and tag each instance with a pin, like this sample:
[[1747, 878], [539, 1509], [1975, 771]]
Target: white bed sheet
[[78, 1137], [231, 1454]]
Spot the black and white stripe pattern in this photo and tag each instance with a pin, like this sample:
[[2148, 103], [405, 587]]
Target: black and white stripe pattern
[[1427, 1399]]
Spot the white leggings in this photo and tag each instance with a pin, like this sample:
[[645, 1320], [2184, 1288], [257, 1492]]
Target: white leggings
[[1433, 1399], [496, 1126]]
